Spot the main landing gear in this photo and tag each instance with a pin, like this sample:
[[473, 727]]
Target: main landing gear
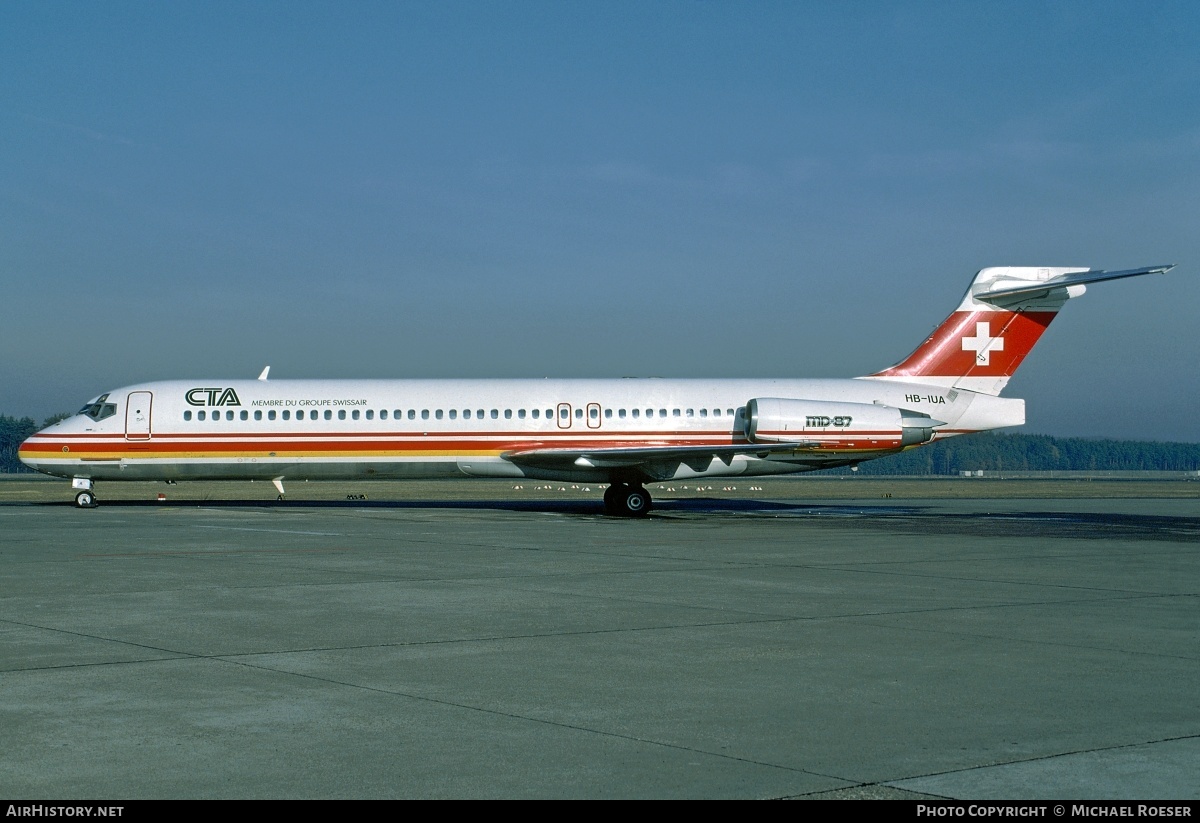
[[627, 500]]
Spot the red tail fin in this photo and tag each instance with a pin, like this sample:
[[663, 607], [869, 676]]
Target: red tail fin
[[976, 350], [1003, 314]]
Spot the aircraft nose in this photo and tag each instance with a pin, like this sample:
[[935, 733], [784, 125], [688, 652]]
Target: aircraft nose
[[28, 451], [25, 449], [25, 453]]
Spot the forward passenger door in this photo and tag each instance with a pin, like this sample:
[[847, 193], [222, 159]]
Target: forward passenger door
[[137, 415]]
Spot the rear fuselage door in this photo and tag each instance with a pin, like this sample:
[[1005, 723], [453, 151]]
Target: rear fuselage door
[[137, 415]]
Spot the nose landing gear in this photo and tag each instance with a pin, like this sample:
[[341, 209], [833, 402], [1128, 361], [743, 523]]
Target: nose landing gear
[[86, 499], [627, 500]]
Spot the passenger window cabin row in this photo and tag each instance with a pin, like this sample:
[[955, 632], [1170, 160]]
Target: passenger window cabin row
[[564, 412]]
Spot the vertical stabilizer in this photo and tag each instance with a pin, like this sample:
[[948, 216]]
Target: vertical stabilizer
[[1003, 314]]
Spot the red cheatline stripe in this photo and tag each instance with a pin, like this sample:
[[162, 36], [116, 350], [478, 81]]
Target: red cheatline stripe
[[419, 443], [549, 434]]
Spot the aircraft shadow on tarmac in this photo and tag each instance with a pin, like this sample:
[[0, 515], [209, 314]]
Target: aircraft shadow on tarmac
[[897, 517], [699, 505]]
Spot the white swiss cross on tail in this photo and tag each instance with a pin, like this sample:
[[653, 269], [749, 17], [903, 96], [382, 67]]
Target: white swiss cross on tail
[[983, 344]]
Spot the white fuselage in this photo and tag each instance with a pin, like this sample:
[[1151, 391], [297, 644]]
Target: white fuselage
[[300, 429]]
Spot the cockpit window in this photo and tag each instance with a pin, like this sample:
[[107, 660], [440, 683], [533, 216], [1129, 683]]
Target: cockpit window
[[98, 409]]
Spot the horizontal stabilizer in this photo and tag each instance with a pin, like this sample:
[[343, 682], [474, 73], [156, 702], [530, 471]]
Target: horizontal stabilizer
[[1064, 280]]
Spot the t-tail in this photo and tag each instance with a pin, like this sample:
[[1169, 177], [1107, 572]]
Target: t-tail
[[1003, 314]]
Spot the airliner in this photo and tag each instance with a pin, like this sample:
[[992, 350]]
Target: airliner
[[622, 432]]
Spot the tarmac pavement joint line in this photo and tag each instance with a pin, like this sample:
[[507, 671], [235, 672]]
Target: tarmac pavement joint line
[[532, 719], [1048, 758]]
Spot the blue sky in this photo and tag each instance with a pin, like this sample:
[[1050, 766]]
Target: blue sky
[[593, 189]]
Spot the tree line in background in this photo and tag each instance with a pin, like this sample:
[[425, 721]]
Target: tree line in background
[[993, 452], [987, 451]]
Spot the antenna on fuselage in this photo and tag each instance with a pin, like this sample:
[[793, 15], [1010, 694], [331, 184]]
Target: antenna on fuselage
[[263, 376]]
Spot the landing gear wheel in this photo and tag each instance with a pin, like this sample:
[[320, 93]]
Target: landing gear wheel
[[612, 496], [624, 500], [636, 502], [85, 500]]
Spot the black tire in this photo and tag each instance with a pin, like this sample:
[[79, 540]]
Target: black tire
[[625, 500], [85, 500], [636, 502], [613, 496]]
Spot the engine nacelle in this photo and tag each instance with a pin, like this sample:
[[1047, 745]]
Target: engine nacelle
[[827, 425]]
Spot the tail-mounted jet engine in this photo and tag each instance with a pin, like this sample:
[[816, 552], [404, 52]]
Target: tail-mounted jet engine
[[827, 425]]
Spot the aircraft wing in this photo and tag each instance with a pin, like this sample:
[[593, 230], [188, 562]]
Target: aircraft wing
[[1078, 278], [644, 457]]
